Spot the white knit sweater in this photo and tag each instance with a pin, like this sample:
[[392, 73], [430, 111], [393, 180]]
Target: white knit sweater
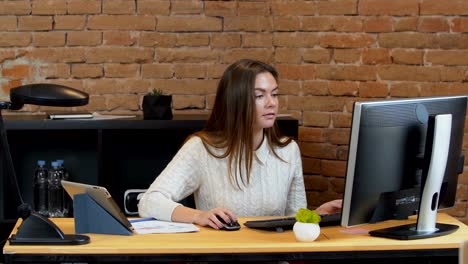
[[276, 187]]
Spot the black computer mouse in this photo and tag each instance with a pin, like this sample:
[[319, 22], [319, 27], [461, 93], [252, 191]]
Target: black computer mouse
[[234, 225]]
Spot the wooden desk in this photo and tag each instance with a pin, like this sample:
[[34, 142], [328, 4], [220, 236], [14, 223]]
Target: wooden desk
[[334, 243]]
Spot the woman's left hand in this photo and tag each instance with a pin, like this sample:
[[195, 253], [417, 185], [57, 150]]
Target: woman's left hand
[[332, 207]]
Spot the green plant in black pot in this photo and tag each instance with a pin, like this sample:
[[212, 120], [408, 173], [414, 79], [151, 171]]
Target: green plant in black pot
[[157, 105]]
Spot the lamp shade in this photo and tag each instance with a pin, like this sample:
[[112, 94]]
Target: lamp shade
[[47, 94]]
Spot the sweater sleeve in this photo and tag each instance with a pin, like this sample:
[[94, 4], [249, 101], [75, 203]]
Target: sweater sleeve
[[178, 180], [297, 196]]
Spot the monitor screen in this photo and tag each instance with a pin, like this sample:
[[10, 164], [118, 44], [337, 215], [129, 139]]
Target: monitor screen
[[386, 158]]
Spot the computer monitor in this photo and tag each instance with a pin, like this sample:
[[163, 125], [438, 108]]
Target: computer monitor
[[404, 159]]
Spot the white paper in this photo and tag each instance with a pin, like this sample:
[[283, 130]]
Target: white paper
[[153, 226]]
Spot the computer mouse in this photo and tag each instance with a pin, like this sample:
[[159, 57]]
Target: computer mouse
[[234, 225]]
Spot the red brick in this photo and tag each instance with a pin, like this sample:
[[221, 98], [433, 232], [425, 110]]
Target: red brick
[[346, 41], [69, 22], [119, 54], [119, 38], [296, 71], [118, 7], [318, 103], [337, 7], [116, 86], [451, 41], [404, 89], [315, 182], [431, 24], [14, 39], [373, 89], [348, 24], [154, 7], [316, 88], [384, 7], [334, 168], [287, 55], [186, 55], [257, 40], [8, 23], [17, 72], [15, 8], [49, 7], [157, 70], [30, 23], [55, 71], [343, 88], [311, 134], [7, 55], [262, 54], [376, 56], [378, 24], [317, 55], [447, 57], [86, 71], [121, 22], [82, 7], [288, 87], [187, 86], [221, 8], [318, 150], [225, 40], [150, 39], [84, 38], [246, 23], [186, 7], [350, 56], [124, 102], [190, 71], [193, 39], [188, 24], [312, 23], [253, 9], [48, 39], [407, 56], [436, 7], [358, 73], [316, 119], [408, 40], [286, 23], [339, 136], [310, 165], [295, 8], [295, 40], [459, 24], [341, 120], [115, 70], [405, 24]]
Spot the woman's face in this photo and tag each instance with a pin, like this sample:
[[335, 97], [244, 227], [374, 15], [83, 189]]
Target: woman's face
[[266, 100]]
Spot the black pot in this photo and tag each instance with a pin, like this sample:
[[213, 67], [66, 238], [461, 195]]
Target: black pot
[[157, 107]]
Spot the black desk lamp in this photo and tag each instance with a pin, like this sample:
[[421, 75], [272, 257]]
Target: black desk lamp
[[35, 228]]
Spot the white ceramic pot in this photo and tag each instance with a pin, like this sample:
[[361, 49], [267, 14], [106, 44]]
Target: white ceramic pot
[[306, 232]]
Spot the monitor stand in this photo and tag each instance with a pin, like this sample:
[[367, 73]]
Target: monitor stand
[[437, 144]]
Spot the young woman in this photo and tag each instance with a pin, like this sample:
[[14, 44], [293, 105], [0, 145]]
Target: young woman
[[238, 164]]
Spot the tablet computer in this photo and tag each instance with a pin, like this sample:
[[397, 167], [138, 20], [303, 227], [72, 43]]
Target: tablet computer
[[101, 196]]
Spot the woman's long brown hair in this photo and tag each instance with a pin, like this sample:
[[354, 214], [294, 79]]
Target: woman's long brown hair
[[230, 125]]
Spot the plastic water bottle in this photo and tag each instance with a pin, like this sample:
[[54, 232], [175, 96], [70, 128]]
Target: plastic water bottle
[[40, 188], [55, 191], [67, 202]]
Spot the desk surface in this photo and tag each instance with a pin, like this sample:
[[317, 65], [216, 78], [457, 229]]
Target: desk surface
[[248, 241]]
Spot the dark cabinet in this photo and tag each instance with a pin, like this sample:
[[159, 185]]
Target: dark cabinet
[[119, 154]]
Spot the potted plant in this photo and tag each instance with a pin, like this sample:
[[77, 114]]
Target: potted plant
[[307, 227], [157, 105]]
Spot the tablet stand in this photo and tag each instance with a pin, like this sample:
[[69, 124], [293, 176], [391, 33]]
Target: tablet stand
[[90, 217]]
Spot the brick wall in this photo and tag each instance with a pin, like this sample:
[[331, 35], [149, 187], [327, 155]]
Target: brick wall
[[329, 54]]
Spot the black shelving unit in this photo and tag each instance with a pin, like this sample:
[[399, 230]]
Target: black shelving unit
[[119, 154]]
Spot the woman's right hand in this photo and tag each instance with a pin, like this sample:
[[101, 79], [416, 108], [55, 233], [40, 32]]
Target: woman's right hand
[[208, 218]]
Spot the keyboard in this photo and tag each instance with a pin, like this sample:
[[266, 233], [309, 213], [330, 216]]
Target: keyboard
[[286, 223]]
